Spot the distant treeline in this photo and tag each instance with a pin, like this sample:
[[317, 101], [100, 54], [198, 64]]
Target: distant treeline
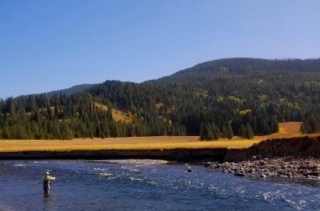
[[222, 98]]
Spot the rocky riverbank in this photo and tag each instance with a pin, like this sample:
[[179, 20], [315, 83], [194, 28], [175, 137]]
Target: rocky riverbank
[[296, 157], [280, 167]]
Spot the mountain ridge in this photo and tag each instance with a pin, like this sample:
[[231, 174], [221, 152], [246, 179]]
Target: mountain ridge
[[245, 65], [70, 90], [215, 99], [223, 65]]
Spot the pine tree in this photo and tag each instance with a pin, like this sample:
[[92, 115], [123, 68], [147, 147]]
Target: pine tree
[[274, 126], [207, 132], [114, 129], [249, 132], [216, 135], [242, 131], [6, 133], [224, 132], [203, 132], [229, 131]]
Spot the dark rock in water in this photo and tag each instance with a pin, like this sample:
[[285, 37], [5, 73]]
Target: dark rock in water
[[189, 169], [263, 175], [207, 164], [225, 171], [239, 174]]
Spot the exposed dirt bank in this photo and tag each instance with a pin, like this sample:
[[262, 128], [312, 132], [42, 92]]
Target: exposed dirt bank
[[303, 146], [169, 154]]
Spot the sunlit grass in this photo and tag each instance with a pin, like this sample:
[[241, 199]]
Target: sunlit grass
[[53, 145], [142, 143], [117, 115]]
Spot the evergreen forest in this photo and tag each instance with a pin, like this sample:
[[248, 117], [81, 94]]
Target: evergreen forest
[[216, 99]]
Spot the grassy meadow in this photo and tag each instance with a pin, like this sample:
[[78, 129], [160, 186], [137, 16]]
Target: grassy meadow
[[288, 129]]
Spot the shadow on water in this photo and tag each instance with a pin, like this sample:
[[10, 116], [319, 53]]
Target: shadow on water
[[47, 198]]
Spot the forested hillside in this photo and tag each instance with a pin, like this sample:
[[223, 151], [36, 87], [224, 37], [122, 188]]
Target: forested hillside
[[215, 99]]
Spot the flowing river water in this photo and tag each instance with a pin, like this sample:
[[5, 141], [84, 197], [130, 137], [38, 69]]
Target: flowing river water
[[90, 185]]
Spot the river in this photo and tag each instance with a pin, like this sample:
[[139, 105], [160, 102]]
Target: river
[[89, 185]]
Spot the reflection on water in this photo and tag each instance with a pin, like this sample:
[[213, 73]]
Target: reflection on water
[[47, 198], [82, 185]]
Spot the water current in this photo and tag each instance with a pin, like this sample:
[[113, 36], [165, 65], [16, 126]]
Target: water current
[[90, 185]]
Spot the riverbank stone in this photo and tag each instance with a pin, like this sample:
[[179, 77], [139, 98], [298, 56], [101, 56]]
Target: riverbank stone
[[282, 167]]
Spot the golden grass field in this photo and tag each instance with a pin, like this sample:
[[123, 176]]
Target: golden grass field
[[288, 129]]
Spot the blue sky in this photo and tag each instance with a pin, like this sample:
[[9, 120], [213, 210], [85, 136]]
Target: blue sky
[[55, 44]]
